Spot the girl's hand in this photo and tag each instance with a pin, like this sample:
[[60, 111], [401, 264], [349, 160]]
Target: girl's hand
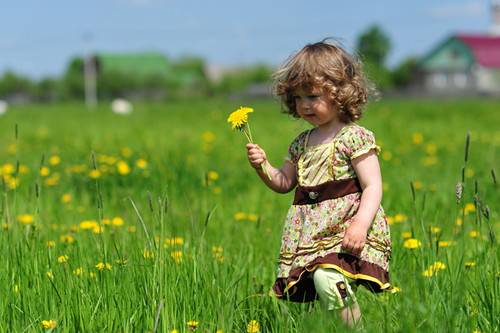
[[354, 238], [256, 155]]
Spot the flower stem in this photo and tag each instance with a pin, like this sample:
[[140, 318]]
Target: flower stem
[[250, 139]]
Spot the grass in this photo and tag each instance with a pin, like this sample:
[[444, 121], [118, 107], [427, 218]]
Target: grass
[[166, 198]]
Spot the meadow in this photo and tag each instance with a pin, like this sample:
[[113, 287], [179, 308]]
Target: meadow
[[155, 221]]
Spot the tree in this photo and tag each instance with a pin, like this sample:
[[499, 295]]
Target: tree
[[374, 45]]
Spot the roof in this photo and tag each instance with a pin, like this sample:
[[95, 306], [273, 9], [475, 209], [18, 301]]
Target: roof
[[486, 49]]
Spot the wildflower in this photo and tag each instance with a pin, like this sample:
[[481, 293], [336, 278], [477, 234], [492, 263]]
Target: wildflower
[[44, 171], [123, 168], [412, 243], [174, 331], [102, 266], [49, 323], [141, 163], [67, 239], [54, 160], [147, 254], [253, 327], [212, 175], [177, 255], [192, 325], [469, 264], [118, 221], [470, 207], [88, 225], [434, 269], [49, 275], [208, 136], [406, 234], [78, 271], [62, 259], [239, 120], [399, 218], [253, 217], [26, 219], [66, 197], [240, 216], [473, 233], [121, 262], [94, 174], [50, 244], [417, 138], [434, 229], [444, 243], [16, 288]]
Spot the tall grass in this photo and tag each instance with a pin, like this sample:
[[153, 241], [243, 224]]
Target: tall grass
[[155, 220]]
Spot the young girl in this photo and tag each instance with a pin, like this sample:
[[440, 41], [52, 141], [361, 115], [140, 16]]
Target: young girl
[[336, 235]]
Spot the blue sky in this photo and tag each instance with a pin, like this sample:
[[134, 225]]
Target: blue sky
[[39, 37]]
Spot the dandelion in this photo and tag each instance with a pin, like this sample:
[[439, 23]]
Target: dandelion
[[54, 160], [469, 264], [473, 233], [78, 271], [417, 138], [50, 244], [118, 221], [67, 239], [406, 234], [44, 171], [240, 216], [434, 269], [16, 288], [212, 175], [192, 325], [26, 219], [66, 198], [253, 327], [102, 266], [62, 259], [412, 243], [49, 323], [123, 168], [399, 218], [177, 256], [49, 275], [239, 120], [208, 136]]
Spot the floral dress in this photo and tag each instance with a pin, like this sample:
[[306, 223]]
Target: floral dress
[[316, 223]]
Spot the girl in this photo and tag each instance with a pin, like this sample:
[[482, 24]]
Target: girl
[[336, 235]]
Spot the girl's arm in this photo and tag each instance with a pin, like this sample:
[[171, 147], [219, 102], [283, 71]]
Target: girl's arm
[[368, 171], [283, 180]]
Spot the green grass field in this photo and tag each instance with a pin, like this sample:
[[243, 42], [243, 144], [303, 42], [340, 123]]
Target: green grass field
[[156, 222]]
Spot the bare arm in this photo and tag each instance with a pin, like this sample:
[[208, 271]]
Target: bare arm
[[283, 180], [368, 171]]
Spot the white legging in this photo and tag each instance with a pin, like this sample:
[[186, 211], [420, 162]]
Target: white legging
[[335, 290]]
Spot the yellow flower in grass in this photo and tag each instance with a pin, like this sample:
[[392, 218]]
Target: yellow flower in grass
[[177, 256], [253, 327], [67, 239], [192, 325], [412, 243], [239, 118], [118, 221], [62, 259], [102, 266], [469, 264], [49, 323], [66, 197], [26, 219], [49, 275], [50, 244], [240, 216], [434, 269], [123, 168]]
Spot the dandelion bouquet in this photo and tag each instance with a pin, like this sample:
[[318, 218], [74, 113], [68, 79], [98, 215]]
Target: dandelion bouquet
[[239, 121]]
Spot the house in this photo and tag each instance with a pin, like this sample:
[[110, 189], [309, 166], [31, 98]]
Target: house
[[463, 64]]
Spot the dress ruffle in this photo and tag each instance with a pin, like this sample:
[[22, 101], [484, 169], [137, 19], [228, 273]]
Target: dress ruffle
[[299, 286]]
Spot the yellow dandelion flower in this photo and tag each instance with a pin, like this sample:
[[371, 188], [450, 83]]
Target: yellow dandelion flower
[[78, 271], [217, 249], [240, 216], [67, 239], [141, 163], [16, 288], [49, 275], [50, 244], [239, 118], [192, 324], [121, 262], [131, 228], [444, 243], [417, 138], [406, 234], [118, 221], [434, 229], [473, 233], [26, 219], [174, 331], [44, 171], [54, 160], [253, 327], [390, 220], [123, 168], [470, 207], [417, 185], [88, 225], [177, 256], [62, 259], [66, 197], [253, 217], [412, 243], [147, 254], [459, 222], [212, 175], [469, 264], [94, 174], [102, 266], [399, 218], [49, 323]]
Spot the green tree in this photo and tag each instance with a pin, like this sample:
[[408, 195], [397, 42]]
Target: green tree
[[374, 45]]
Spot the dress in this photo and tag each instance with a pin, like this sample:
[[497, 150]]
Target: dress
[[313, 231]]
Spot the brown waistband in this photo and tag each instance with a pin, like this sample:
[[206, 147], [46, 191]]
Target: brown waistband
[[305, 195]]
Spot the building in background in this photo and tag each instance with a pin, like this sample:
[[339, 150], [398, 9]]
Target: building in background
[[463, 64]]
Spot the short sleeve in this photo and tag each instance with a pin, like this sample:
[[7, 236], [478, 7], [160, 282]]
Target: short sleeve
[[360, 142], [296, 148]]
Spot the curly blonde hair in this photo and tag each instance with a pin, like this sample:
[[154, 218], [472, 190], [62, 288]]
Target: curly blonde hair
[[328, 66]]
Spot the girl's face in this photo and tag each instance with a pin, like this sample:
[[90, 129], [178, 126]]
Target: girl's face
[[314, 106]]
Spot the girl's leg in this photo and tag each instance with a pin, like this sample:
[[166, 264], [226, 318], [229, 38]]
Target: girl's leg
[[336, 293]]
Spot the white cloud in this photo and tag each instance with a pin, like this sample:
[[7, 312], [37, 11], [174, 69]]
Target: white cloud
[[459, 10]]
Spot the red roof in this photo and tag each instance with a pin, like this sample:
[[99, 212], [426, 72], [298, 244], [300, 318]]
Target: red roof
[[486, 49]]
